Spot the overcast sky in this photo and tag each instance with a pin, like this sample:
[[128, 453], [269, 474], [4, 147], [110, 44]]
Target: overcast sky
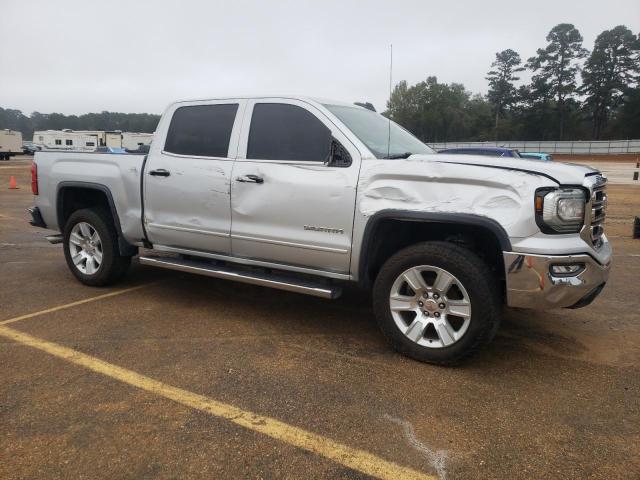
[[138, 56]]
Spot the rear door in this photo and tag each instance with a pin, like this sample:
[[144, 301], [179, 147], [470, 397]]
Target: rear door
[[288, 205], [187, 177]]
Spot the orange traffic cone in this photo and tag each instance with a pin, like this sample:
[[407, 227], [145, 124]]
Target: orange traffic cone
[[12, 183]]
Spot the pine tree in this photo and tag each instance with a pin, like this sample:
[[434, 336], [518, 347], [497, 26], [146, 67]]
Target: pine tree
[[557, 65], [502, 92], [610, 70]]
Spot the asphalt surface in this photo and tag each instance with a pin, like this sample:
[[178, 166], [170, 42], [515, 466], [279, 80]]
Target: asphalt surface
[[556, 395]]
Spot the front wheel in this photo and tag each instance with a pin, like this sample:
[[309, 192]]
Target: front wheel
[[437, 302], [91, 248]]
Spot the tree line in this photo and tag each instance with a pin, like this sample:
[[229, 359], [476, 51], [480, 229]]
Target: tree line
[[127, 122], [573, 94], [554, 105]]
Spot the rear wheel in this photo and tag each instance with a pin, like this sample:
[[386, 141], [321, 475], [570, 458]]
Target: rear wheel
[[437, 302], [91, 248]]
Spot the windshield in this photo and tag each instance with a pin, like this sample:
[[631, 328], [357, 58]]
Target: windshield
[[373, 130]]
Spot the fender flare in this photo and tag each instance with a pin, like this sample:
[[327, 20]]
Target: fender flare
[[466, 219], [125, 248]]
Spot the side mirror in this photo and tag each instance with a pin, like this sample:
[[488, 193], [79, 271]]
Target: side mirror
[[338, 155]]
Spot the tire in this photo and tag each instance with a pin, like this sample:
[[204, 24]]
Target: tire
[[112, 266], [423, 322]]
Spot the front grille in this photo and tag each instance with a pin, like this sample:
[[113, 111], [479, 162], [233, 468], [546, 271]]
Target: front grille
[[598, 212]]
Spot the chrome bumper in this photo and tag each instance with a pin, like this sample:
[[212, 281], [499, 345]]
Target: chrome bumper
[[530, 282]]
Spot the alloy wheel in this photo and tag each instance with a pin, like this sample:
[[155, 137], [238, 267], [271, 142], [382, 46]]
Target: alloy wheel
[[430, 306], [85, 247]]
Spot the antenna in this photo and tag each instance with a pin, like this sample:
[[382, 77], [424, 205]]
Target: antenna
[[390, 92]]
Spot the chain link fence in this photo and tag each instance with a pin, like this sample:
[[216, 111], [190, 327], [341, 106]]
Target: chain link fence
[[603, 147]]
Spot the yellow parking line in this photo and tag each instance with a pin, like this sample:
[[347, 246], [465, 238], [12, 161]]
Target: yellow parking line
[[353, 458], [73, 304]]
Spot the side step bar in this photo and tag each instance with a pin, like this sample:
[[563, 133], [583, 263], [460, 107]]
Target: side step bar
[[278, 281]]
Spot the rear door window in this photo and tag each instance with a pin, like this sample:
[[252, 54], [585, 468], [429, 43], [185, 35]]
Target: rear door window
[[201, 130], [287, 132]]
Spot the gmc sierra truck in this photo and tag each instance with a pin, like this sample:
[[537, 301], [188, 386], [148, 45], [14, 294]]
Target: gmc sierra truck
[[305, 195]]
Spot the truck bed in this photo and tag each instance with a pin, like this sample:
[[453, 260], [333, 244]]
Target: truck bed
[[119, 174]]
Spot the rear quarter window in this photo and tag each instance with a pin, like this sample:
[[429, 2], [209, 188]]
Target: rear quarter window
[[201, 130]]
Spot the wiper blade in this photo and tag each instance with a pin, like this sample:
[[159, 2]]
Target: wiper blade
[[398, 155]]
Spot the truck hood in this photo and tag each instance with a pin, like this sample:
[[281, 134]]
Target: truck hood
[[561, 173]]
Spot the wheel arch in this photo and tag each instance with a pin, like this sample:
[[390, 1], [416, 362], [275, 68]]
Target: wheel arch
[[72, 196], [488, 233]]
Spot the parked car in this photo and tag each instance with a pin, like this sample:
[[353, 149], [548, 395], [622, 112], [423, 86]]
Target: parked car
[[110, 150], [536, 156], [484, 151], [320, 199], [29, 148]]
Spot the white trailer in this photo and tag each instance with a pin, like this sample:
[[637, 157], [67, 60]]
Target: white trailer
[[133, 141], [65, 140], [10, 144], [112, 138], [89, 140]]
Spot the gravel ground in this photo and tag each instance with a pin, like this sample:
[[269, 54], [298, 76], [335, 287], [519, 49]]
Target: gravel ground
[[556, 395]]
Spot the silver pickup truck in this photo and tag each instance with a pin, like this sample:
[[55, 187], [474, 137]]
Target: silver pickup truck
[[306, 195]]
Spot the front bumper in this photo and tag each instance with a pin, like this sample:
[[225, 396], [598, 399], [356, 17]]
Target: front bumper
[[530, 282]]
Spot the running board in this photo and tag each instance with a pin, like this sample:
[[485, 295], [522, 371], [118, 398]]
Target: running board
[[279, 281]]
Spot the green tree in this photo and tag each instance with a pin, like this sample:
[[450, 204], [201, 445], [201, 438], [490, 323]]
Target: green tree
[[534, 111], [15, 120], [608, 73], [626, 123], [439, 112], [502, 92], [127, 122], [557, 65]]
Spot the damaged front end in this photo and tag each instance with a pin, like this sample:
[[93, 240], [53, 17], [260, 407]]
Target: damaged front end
[[558, 255]]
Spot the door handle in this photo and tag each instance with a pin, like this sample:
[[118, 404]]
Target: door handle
[[250, 179], [161, 172]]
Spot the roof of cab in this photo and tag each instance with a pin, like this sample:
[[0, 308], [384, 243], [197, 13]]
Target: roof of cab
[[318, 100]]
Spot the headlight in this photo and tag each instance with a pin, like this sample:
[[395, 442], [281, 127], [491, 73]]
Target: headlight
[[560, 210]]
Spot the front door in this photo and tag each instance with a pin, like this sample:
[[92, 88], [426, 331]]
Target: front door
[[288, 205], [187, 178]]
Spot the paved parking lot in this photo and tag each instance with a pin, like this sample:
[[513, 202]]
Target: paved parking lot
[[618, 173], [170, 375]]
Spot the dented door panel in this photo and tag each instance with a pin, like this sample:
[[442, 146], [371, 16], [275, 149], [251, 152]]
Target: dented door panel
[[301, 213], [190, 208]]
